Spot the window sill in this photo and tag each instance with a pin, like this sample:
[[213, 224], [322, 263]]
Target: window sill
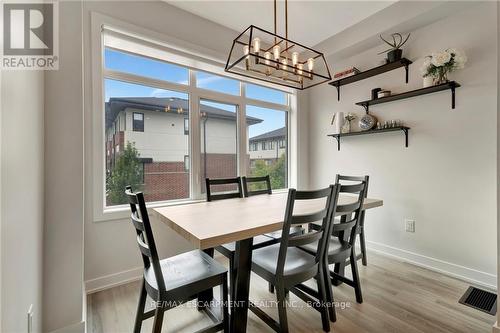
[[123, 211]]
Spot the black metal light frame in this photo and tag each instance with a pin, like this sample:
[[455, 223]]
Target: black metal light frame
[[307, 76]]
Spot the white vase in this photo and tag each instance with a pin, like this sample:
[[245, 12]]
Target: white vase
[[338, 122], [428, 81]]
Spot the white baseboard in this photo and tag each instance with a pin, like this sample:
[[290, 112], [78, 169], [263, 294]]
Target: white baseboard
[[75, 328], [113, 280], [463, 273]]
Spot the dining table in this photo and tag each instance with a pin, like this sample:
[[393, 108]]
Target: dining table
[[209, 224]]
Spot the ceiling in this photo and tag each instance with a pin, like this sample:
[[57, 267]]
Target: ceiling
[[309, 22]]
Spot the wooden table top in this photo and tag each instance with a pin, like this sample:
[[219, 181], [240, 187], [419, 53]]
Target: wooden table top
[[208, 224]]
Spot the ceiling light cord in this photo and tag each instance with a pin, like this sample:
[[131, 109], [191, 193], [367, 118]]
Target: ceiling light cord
[[275, 21], [286, 19], [286, 23]]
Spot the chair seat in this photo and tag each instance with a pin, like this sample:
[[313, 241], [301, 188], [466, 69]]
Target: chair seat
[[266, 259], [294, 231], [334, 247], [186, 270], [229, 249]]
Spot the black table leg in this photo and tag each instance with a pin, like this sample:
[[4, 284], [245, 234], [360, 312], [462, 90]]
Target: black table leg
[[207, 296], [243, 266]]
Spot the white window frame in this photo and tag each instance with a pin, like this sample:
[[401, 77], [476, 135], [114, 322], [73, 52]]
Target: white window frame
[[179, 55]]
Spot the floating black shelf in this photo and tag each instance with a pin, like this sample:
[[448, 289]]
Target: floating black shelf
[[371, 72], [412, 93], [404, 129]]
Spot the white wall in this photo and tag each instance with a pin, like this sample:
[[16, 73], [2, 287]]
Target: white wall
[[63, 238], [276, 152], [22, 168], [446, 178], [163, 138]]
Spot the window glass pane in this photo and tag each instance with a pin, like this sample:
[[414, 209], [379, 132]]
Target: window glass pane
[[143, 66], [152, 160], [217, 83], [266, 94], [218, 126], [268, 141], [137, 122]]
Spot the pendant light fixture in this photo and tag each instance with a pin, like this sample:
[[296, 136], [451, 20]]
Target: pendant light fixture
[[266, 56]]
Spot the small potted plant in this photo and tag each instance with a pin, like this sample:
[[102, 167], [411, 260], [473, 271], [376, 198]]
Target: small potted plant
[[395, 53], [436, 67]]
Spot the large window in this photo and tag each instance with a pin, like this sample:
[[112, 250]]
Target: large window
[[149, 127]]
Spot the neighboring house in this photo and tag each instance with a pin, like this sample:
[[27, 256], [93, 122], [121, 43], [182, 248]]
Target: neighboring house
[[159, 129], [268, 146]]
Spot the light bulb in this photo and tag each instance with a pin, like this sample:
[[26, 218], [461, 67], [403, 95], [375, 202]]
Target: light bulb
[[180, 110], [295, 58], [267, 55], [299, 69], [285, 64], [246, 50], [276, 52], [256, 44], [310, 64]]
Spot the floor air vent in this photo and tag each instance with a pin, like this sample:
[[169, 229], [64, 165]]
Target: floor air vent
[[481, 300]]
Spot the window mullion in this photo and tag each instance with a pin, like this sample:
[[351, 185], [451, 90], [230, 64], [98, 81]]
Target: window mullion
[[194, 137], [242, 135]]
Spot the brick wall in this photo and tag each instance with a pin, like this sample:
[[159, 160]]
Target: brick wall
[[169, 180], [165, 181], [219, 166]]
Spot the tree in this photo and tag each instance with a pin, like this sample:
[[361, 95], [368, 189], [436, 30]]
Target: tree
[[276, 171], [127, 171]]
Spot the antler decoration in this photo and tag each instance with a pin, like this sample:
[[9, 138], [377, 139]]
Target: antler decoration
[[397, 41]]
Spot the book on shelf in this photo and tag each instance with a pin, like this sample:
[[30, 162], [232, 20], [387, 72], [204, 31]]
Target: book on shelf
[[346, 73]]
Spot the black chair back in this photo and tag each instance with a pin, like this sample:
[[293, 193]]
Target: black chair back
[[340, 178], [227, 193], [320, 235], [263, 185], [351, 213], [145, 239]]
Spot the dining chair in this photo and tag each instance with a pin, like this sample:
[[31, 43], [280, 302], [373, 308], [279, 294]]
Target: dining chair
[[175, 280], [286, 266], [232, 189], [341, 244], [262, 185], [361, 228]]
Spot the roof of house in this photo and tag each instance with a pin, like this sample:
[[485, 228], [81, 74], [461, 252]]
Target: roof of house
[[278, 133], [159, 104]]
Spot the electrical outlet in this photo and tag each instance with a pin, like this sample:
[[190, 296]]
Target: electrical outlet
[[409, 225], [30, 319]]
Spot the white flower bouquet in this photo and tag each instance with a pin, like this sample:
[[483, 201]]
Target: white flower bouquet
[[439, 64]]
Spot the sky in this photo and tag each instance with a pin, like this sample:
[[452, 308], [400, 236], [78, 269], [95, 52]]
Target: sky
[[115, 60]]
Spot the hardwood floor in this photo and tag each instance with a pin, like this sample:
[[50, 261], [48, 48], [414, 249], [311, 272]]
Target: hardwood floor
[[398, 297]]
